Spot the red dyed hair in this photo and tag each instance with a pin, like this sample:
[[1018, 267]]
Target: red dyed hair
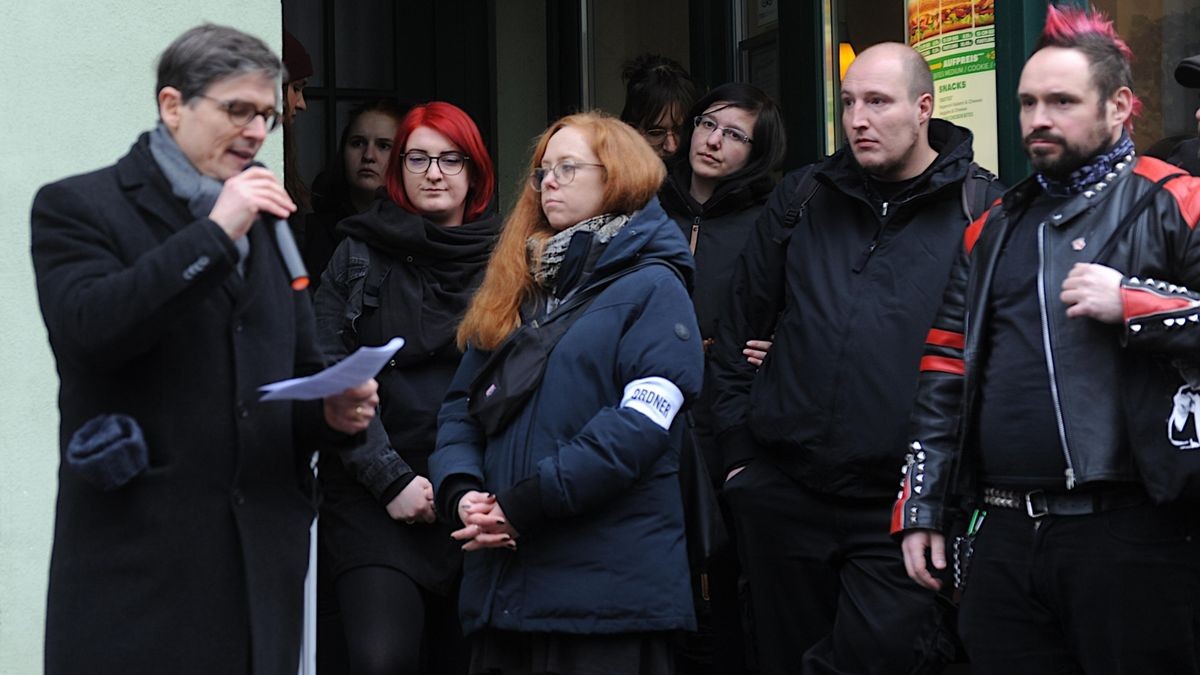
[[450, 121], [1093, 34]]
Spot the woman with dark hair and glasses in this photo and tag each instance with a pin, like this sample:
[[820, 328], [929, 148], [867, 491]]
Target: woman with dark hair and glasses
[[352, 181], [408, 267], [570, 511], [717, 184], [658, 92]]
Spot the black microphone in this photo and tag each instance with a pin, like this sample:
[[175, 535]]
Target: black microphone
[[287, 248]]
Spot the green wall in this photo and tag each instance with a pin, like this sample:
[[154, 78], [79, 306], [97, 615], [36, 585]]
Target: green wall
[[76, 87]]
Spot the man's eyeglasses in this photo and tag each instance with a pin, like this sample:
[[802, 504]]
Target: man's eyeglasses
[[449, 163], [709, 125], [241, 112], [564, 173]]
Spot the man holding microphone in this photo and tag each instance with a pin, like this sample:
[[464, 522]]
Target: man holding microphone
[[181, 531]]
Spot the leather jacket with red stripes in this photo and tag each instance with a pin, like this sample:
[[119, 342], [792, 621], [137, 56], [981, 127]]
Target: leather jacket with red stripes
[[1112, 384]]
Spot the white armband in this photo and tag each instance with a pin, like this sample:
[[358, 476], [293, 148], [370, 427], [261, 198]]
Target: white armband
[[655, 397]]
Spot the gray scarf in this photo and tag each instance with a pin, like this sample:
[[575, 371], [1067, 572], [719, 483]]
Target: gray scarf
[[545, 270], [200, 192]]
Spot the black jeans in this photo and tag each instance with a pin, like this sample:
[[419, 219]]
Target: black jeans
[[827, 584], [1113, 592]]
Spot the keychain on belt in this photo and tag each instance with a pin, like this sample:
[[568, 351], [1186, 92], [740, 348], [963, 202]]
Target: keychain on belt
[[964, 546]]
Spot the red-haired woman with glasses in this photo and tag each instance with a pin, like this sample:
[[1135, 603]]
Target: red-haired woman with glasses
[[408, 267], [569, 505]]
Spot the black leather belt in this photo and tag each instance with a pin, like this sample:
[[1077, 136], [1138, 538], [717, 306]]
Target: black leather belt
[[1038, 503]]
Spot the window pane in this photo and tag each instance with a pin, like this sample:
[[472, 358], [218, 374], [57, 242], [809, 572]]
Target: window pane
[[1160, 33], [365, 40], [310, 140], [303, 18], [624, 29]]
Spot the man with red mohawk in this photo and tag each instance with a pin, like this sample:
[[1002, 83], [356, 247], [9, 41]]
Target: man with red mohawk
[[1064, 410]]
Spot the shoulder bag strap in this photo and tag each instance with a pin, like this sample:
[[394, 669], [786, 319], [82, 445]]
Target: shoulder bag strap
[[1140, 205]]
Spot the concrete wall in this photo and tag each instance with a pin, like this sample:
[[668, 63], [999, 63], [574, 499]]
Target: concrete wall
[[78, 87]]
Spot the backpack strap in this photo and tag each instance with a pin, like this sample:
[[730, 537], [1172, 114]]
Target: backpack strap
[[1131, 215], [805, 189], [371, 283], [974, 195]]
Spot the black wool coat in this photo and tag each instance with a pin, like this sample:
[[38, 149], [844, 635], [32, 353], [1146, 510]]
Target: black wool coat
[[197, 565]]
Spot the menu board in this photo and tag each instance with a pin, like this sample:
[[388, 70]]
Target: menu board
[[958, 40]]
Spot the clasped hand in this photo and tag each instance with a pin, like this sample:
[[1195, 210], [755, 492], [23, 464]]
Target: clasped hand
[[484, 524], [414, 503]]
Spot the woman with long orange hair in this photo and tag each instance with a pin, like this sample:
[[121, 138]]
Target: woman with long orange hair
[[568, 505]]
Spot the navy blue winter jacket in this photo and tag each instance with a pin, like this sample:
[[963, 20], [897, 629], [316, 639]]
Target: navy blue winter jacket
[[605, 552]]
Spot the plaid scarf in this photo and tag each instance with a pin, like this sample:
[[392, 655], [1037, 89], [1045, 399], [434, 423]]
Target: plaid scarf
[[545, 267]]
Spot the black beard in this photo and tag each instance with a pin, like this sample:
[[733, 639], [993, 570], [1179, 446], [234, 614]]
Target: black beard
[[1060, 168]]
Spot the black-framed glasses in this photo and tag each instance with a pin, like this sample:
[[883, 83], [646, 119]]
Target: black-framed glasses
[[241, 112], [564, 173], [709, 125], [449, 163]]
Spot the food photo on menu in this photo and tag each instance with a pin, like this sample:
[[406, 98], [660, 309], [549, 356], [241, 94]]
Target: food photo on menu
[[985, 12]]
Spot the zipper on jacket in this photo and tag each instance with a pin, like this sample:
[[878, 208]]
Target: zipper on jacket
[[866, 255], [883, 210], [1058, 416], [695, 234]]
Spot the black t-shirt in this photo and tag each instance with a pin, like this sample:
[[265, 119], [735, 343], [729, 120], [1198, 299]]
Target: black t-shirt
[[889, 190], [1018, 430]]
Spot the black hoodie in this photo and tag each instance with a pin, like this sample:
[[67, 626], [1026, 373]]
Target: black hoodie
[[849, 293], [716, 231]]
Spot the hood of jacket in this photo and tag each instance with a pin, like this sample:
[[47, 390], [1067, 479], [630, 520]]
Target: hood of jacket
[[955, 154], [649, 234]]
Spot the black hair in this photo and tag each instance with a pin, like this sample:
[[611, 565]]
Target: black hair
[[208, 53], [653, 84], [769, 139]]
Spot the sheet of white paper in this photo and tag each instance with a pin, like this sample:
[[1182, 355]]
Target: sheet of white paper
[[351, 371]]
